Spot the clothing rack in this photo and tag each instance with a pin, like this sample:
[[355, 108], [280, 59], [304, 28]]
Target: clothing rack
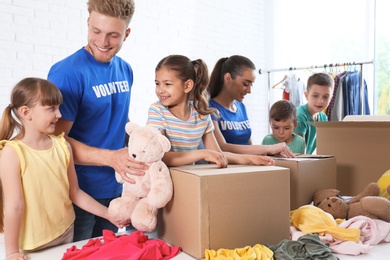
[[325, 67]]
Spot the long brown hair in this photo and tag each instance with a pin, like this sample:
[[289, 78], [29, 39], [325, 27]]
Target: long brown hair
[[195, 70], [235, 65]]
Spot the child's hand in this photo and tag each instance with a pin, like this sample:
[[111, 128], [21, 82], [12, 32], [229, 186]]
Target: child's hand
[[215, 157], [248, 159], [261, 160], [280, 149], [119, 223], [16, 256]]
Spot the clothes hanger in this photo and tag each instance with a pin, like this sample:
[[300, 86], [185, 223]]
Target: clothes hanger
[[284, 78]]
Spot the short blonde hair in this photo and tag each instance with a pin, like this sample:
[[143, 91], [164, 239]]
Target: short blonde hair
[[122, 9]]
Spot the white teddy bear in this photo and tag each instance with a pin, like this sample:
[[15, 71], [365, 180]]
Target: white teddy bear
[[140, 202]]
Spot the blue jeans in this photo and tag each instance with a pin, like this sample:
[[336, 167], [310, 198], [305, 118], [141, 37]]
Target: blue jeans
[[88, 225]]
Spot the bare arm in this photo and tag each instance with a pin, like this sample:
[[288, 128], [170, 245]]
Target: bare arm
[[82, 199], [13, 202], [248, 159], [184, 158], [276, 149], [119, 160], [235, 158], [212, 154]]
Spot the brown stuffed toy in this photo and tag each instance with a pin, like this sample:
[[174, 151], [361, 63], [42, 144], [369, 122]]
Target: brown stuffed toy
[[368, 203]]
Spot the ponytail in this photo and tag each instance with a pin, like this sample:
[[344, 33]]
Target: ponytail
[[216, 79], [8, 124], [200, 94]]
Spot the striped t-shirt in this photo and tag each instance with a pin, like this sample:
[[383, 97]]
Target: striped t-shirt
[[184, 135]]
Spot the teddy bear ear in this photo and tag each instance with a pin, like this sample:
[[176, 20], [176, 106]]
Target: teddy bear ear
[[165, 143], [323, 194], [130, 127]]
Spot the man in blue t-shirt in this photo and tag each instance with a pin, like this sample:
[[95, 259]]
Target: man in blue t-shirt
[[96, 88]]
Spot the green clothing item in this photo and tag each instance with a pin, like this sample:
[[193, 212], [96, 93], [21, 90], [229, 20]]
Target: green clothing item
[[307, 130], [308, 246], [296, 146]]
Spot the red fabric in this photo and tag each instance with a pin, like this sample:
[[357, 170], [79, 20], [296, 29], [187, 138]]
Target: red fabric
[[286, 95], [127, 247]]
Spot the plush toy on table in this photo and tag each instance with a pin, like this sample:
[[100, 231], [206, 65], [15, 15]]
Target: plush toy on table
[[139, 202], [368, 203]]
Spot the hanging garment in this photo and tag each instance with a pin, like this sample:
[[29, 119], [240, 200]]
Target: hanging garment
[[335, 89], [352, 95], [295, 89], [286, 95]]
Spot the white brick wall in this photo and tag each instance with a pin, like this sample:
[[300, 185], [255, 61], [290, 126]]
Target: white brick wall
[[35, 34]]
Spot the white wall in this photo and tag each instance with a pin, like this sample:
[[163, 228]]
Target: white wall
[[35, 34]]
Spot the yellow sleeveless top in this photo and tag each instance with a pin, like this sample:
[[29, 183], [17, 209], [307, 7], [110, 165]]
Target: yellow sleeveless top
[[48, 208]]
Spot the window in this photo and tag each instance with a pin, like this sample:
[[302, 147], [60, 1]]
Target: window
[[304, 33]]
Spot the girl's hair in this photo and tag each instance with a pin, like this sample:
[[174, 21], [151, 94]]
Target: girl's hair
[[195, 70], [122, 9], [27, 92], [283, 110], [235, 65]]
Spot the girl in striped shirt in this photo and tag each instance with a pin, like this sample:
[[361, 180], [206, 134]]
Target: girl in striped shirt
[[183, 115]]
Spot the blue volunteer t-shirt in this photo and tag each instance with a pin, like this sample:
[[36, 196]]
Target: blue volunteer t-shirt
[[96, 98], [234, 126]]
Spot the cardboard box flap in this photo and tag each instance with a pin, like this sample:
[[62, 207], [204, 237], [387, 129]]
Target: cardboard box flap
[[304, 157], [365, 118], [224, 171], [354, 124]]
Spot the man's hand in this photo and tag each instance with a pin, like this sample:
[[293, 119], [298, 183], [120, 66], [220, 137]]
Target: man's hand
[[125, 165]]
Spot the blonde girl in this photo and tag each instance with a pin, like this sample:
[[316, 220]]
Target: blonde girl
[[37, 172]]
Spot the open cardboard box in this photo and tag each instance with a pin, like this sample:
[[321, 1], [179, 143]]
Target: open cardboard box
[[361, 145], [232, 207], [309, 174]]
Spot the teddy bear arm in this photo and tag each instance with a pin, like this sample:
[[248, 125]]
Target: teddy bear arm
[[161, 189], [372, 189]]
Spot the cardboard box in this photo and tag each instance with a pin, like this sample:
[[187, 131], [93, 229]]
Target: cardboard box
[[309, 174], [228, 208], [361, 145]]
